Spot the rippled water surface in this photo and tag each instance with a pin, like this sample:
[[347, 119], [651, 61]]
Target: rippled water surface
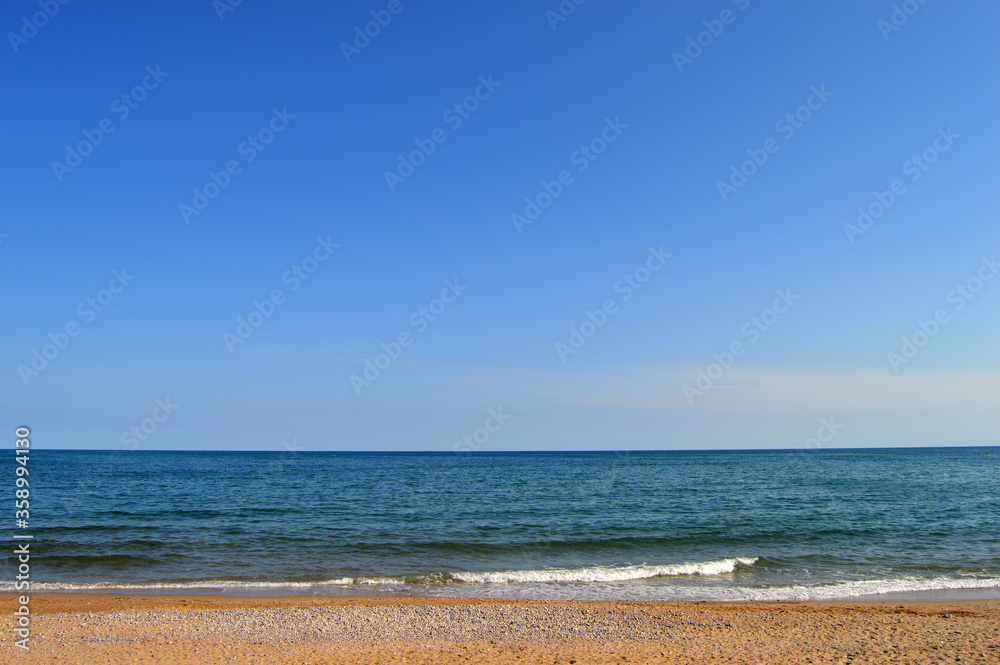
[[760, 524]]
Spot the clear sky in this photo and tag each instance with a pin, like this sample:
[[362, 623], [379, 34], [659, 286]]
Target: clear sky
[[613, 120]]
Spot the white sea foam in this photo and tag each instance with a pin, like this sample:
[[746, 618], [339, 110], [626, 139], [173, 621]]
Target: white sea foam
[[545, 575], [678, 589], [203, 584], [218, 584], [855, 588], [606, 573], [663, 582]]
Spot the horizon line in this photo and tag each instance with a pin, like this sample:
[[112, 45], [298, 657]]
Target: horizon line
[[490, 452]]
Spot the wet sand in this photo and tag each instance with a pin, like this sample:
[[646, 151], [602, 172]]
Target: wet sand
[[98, 629]]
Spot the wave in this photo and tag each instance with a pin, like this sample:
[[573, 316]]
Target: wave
[[606, 573], [533, 589], [199, 584], [876, 587], [678, 581], [545, 575]]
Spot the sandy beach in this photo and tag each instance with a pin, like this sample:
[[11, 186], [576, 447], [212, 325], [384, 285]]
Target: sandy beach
[[99, 629]]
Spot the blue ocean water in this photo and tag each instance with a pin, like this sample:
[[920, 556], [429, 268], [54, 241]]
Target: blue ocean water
[[809, 524]]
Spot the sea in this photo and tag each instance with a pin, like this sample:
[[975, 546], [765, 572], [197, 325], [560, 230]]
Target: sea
[[807, 524]]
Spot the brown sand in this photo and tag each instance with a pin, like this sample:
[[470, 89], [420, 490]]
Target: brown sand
[[93, 630]]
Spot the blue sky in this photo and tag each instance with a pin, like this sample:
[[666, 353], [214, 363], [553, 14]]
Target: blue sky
[[887, 96]]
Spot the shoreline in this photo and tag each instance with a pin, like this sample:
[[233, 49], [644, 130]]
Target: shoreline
[[277, 591], [117, 628], [50, 602]]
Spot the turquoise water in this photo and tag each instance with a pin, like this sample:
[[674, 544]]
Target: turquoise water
[[638, 525]]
